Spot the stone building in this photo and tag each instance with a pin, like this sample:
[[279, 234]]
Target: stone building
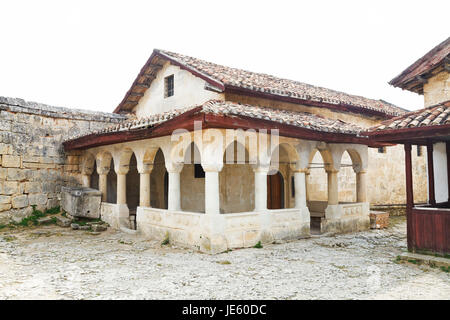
[[253, 157], [428, 225]]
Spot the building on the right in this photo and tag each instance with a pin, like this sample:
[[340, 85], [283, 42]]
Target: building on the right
[[428, 226]]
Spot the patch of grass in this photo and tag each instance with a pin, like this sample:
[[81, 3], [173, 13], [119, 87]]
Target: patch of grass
[[54, 210], [445, 269], [166, 240], [258, 245], [2, 226], [414, 261], [224, 262]]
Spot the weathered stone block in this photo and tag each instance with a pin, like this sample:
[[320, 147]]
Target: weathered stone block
[[5, 199], [37, 199], [3, 172], [32, 187], [19, 201], [9, 187], [18, 174], [5, 206], [63, 222], [10, 161], [81, 202], [5, 148]]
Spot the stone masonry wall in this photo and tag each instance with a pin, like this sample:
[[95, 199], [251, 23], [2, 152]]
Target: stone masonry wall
[[33, 165]]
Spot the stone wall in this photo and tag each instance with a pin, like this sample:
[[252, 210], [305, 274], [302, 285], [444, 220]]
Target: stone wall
[[437, 89], [33, 165]]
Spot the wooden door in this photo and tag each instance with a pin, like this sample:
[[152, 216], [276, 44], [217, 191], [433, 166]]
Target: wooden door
[[275, 186]]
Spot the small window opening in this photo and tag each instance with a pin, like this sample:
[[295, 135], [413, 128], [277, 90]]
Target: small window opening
[[382, 150], [168, 86]]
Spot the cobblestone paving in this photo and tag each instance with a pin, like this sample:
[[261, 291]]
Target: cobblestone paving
[[57, 263]]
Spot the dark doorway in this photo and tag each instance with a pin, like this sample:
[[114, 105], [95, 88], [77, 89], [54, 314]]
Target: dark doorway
[[166, 190], [275, 191]]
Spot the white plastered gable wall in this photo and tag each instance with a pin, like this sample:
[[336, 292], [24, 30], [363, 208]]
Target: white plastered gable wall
[[189, 90]]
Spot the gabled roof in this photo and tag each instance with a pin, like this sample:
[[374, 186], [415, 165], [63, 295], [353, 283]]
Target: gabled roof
[[222, 114], [428, 124], [413, 77], [435, 115], [226, 79]]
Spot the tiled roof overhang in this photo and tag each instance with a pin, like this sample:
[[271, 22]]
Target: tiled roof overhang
[[435, 61], [219, 114], [225, 79], [422, 127]]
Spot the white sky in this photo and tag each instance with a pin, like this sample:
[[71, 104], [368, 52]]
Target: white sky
[[86, 54]]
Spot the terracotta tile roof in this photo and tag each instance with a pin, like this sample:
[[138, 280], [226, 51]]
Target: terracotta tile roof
[[299, 119], [413, 77], [431, 116], [223, 78]]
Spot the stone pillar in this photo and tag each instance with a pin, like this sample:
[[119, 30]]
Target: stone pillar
[[300, 188], [121, 188], [212, 198], [102, 182], [333, 191], [261, 188], [174, 201], [144, 192], [361, 187], [86, 180]]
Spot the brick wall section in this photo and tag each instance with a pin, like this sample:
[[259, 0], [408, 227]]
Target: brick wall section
[[33, 165]]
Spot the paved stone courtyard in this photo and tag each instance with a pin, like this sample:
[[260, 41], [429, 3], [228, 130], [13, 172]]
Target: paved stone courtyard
[[57, 263]]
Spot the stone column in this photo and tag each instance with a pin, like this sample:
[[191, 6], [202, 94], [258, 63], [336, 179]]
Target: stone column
[[361, 187], [212, 198], [261, 188], [174, 201], [86, 180], [333, 191], [121, 188], [144, 192], [300, 188], [102, 182]]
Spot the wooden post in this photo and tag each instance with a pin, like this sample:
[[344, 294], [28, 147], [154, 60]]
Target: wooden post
[[409, 197], [447, 145], [431, 193]]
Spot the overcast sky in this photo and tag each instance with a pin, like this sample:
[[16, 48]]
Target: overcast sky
[[86, 54]]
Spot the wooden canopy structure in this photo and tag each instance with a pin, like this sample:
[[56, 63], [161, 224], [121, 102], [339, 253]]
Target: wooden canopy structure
[[428, 226]]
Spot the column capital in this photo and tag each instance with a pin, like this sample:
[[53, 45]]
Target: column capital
[[174, 167], [102, 170], [145, 168], [123, 169], [212, 167]]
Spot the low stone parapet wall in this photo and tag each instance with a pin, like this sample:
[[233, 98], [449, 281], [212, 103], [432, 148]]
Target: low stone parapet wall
[[218, 233]]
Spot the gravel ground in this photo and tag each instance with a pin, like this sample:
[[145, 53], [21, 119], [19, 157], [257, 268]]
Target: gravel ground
[[57, 263]]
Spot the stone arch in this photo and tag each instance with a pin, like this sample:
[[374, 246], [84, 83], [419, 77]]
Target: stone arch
[[236, 180], [132, 183], [192, 180], [105, 166], [347, 176], [159, 181], [283, 160]]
